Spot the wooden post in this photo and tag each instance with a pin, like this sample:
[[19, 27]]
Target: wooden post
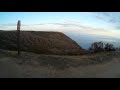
[[18, 36]]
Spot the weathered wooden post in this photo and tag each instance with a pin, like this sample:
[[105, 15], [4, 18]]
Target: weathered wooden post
[[18, 36]]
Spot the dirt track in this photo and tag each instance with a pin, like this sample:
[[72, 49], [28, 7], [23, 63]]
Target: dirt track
[[9, 68], [106, 70]]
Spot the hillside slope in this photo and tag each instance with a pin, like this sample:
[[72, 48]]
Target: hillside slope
[[40, 42]]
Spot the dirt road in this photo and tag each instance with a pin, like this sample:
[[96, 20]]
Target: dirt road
[[107, 70], [30, 65], [9, 69]]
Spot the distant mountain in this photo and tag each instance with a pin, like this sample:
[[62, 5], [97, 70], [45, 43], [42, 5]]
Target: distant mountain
[[40, 42]]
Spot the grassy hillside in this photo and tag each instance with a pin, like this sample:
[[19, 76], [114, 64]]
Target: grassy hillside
[[40, 42]]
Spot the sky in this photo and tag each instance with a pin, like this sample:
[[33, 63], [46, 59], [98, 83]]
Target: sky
[[83, 27]]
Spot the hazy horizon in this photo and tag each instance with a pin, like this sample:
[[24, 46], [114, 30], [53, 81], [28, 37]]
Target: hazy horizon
[[83, 27]]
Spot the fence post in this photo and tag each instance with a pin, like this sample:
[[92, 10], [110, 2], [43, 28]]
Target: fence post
[[18, 36]]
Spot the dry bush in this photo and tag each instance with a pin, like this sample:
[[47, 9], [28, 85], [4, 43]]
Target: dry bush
[[100, 47], [97, 47], [109, 47]]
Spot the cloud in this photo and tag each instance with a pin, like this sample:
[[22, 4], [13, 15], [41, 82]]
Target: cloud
[[107, 14], [66, 24], [8, 24], [62, 27], [117, 27], [112, 18], [38, 24], [100, 17], [12, 24], [2, 27], [107, 17], [81, 26]]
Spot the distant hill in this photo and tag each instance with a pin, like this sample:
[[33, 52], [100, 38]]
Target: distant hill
[[40, 42]]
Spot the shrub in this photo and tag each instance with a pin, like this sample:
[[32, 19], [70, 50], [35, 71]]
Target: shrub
[[100, 47], [109, 47], [97, 47]]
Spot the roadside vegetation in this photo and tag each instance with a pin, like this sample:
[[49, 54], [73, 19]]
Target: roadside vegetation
[[97, 47]]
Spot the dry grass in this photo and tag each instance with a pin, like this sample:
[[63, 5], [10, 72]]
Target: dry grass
[[40, 42]]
